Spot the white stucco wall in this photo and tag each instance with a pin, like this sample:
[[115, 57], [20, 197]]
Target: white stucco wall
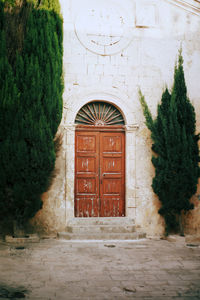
[[112, 48]]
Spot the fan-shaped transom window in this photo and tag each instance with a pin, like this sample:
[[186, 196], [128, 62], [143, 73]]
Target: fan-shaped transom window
[[99, 114]]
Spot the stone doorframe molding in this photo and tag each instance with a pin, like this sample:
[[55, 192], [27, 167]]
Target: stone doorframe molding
[[70, 112]]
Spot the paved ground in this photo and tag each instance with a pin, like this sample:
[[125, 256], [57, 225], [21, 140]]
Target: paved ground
[[55, 269]]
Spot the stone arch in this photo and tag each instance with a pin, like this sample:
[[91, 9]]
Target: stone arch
[[111, 95], [99, 113]]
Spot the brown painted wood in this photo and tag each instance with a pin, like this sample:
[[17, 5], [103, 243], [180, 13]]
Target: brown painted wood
[[112, 174], [86, 174], [109, 128], [99, 173]]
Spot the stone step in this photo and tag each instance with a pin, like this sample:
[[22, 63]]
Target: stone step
[[101, 221], [91, 229], [119, 228], [102, 236]]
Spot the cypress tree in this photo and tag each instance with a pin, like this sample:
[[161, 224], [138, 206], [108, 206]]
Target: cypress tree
[[175, 145], [31, 102], [8, 98]]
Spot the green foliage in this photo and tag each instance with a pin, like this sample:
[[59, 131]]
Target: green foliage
[[175, 145], [146, 111], [9, 2], [50, 5], [30, 107]]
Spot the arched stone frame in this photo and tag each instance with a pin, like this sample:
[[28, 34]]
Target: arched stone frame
[[74, 104]]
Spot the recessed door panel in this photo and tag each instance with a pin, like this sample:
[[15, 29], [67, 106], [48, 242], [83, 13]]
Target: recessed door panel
[[86, 186], [86, 143], [112, 165], [111, 186], [112, 143], [86, 165]]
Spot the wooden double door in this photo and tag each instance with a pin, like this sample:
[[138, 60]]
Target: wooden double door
[[99, 173]]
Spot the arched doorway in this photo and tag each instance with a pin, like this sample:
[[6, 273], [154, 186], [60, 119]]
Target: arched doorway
[[99, 161]]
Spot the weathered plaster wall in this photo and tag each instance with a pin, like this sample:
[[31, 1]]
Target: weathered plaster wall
[[111, 48]]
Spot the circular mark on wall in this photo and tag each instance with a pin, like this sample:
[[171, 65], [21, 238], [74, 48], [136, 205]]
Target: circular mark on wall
[[103, 28]]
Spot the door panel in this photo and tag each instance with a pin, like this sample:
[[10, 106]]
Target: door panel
[[86, 164], [112, 164], [86, 143], [86, 174], [86, 186], [99, 174], [112, 174], [111, 142]]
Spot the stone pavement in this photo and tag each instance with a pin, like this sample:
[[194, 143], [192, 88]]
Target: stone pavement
[[58, 269]]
